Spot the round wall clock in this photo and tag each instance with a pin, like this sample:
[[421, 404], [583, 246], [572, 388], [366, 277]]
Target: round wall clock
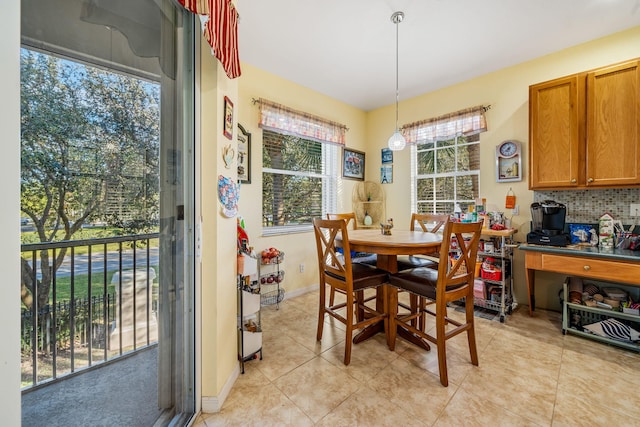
[[508, 161]]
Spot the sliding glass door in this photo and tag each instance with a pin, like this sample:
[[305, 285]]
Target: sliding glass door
[[107, 139]]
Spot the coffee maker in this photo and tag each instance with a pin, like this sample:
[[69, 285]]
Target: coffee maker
[[547, 224]]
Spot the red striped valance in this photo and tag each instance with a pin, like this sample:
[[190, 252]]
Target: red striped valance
[[220, 30]]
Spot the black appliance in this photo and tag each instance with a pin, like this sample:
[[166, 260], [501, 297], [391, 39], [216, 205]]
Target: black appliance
[[547, 224]]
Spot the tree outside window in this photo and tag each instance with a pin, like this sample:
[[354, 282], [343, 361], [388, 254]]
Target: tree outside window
[[447, 174], [89, 152], [298, 181]]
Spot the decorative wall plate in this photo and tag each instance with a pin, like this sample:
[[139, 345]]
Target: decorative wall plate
[[228, 195]]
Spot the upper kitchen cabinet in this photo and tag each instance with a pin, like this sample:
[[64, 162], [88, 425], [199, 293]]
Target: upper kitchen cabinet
[[584, 129], [613, 124], [556, 132]]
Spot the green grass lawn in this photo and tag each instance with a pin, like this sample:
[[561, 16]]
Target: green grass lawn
[[27, 237], [81, 281], [81, 286]]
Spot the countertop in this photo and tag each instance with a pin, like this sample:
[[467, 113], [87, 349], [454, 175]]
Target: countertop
[[585, 251]]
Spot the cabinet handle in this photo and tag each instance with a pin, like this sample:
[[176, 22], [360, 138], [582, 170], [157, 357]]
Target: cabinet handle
[[586, 268], [573, 181], [590, 180]]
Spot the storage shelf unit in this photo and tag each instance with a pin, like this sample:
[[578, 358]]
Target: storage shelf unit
[[249, 322], [271, 278], [595, 314], [504, 301], [368, 198]]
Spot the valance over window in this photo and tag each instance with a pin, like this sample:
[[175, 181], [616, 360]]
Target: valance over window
[[464, 122], [220, 28], [278, 118]]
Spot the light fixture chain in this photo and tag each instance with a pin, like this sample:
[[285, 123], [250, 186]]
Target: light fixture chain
[[397, 141], [397, 68]]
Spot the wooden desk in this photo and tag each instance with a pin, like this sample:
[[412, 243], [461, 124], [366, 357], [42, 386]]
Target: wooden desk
[[400, 242], [613, 265]]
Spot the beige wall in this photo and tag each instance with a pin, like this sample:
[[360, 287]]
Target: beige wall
[[299, 248], [217, 269], [505, 90]]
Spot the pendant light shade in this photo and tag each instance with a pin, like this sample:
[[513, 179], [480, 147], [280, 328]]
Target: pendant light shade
[[397, 141]]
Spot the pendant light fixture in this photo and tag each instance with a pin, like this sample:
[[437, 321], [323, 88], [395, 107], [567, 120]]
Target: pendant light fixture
[[397, 141]]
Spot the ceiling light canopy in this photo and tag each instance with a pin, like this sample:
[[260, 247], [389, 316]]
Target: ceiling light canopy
[[397, 141]]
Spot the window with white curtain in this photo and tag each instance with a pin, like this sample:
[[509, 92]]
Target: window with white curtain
[[299, 167], [445, 161], [299, 178]]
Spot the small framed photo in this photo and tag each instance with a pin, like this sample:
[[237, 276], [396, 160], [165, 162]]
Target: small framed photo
[[352, 164], [228, 118], [244, 155], [387, 155], [386, 174]]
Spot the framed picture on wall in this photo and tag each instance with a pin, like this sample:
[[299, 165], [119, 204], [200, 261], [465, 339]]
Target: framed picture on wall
[[386, 174], [228, 118], [352, 164], [387, 155], [244, 155]]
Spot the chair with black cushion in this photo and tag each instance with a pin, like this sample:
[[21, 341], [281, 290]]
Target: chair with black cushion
[[429, 223], [362, 258], [340, 273], [452, 281]]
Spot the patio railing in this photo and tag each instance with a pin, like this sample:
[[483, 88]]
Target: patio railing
[[101, 305]]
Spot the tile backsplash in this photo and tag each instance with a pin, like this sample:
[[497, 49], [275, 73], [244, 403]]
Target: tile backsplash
[[587, 205]]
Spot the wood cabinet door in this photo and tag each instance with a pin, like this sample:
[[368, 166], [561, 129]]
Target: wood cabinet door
[[556, 133], [613, 124]]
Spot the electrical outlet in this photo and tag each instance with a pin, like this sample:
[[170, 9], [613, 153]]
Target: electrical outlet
[[516, 210], [634, 209], [301, 268]]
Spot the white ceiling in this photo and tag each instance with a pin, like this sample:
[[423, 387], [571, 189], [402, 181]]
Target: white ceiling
[[346, 48]]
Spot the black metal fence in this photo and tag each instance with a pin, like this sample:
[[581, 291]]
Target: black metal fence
[[101, 303]]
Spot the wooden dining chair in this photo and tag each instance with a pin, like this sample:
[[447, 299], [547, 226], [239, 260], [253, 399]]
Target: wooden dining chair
[[362, 258], [338, 271], [429, 223], [452, 281]]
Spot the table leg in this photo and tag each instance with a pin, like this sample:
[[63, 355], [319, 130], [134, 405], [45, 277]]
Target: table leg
[[388, 263], [371, 330], [531, 286], [413, 338]]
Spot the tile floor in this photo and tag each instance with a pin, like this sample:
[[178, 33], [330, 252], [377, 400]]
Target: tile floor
[[529, 375]]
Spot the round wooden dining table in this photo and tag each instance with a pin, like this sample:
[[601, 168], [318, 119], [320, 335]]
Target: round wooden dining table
[[387, 248]]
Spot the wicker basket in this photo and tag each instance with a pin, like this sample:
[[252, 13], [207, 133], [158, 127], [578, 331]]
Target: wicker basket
[[270, 297]]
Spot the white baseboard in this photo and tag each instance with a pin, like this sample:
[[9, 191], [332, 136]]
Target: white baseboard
[[213, 404], [298, 292]]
